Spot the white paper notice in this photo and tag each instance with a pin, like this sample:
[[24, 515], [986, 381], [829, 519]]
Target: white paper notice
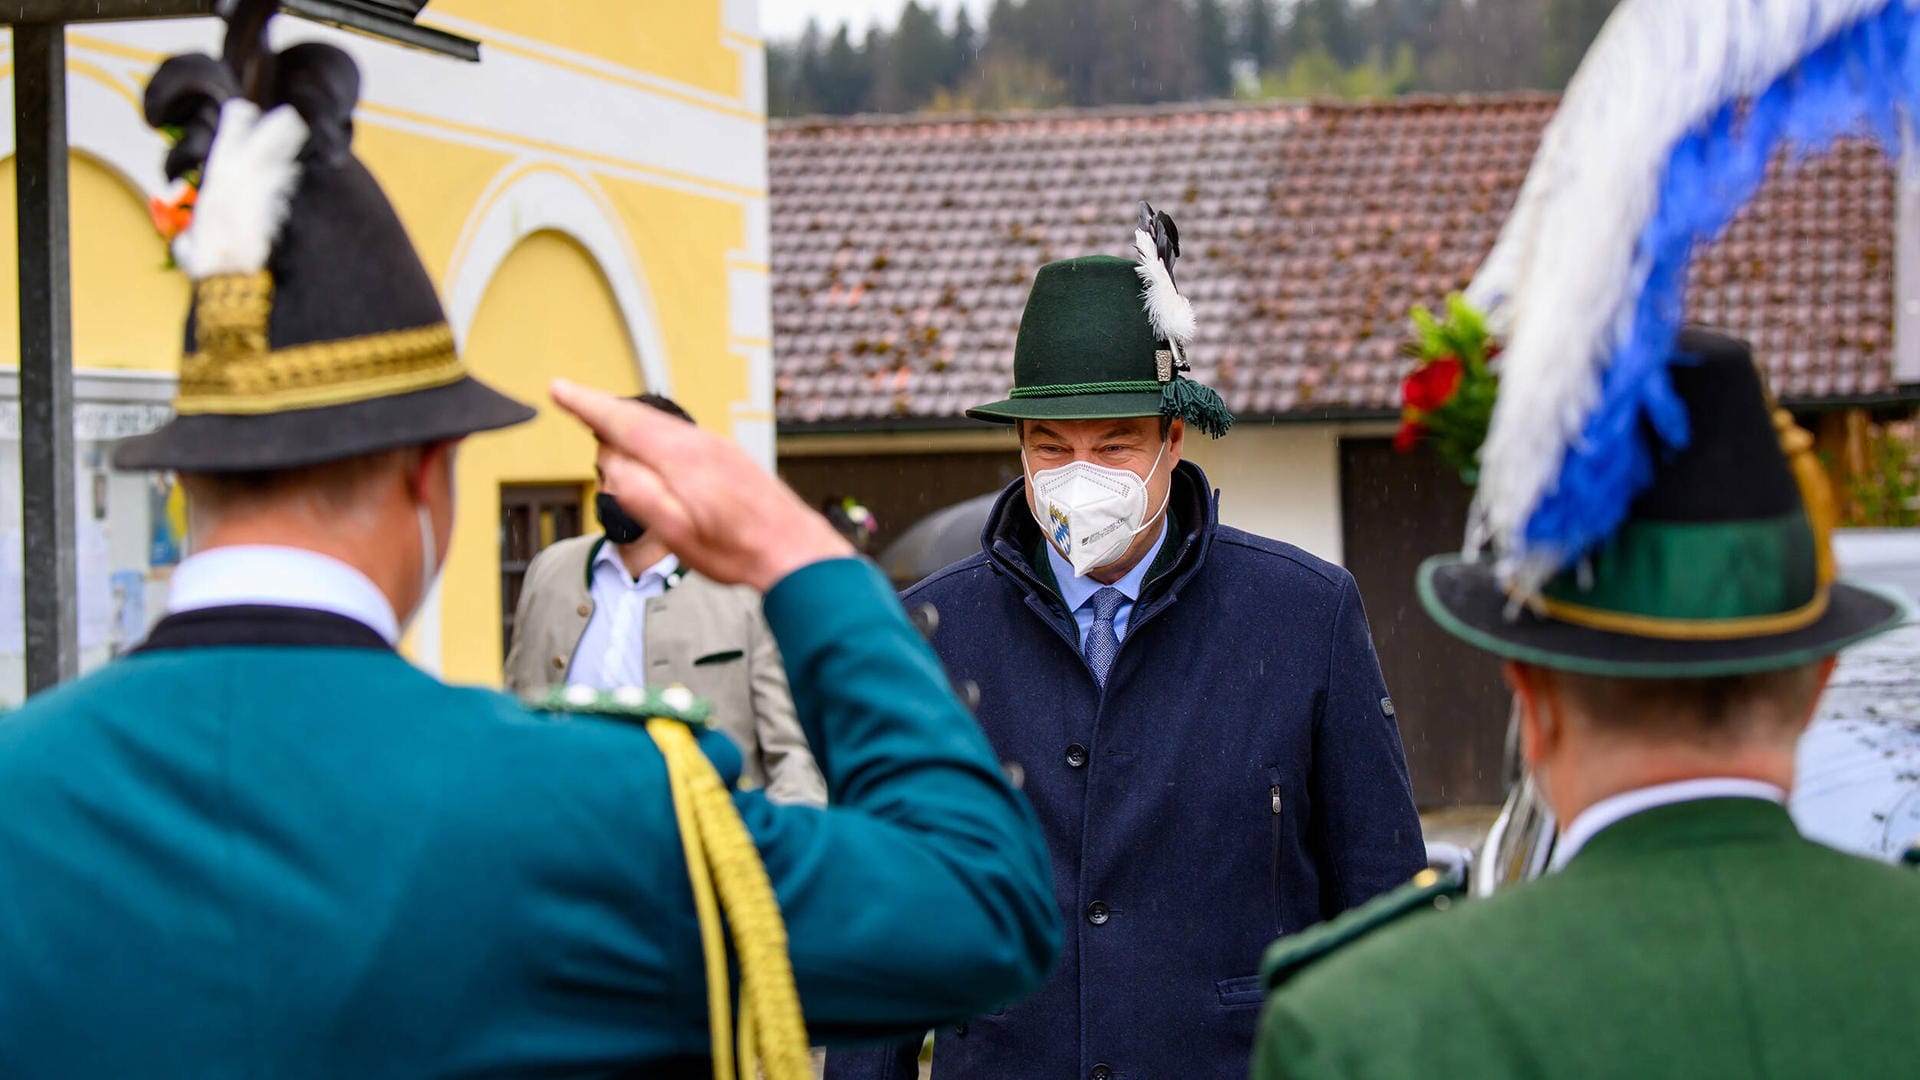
[[13, 634], [96, 585]]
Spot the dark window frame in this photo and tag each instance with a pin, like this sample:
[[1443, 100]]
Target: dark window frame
[[532, 518]]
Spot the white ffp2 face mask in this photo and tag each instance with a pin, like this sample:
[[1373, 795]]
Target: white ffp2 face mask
[[1091, 513], [430, 565]]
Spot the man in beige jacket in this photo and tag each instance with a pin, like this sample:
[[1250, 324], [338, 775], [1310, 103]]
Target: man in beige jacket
[[617, 609]]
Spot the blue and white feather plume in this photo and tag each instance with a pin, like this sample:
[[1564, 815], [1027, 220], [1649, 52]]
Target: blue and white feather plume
[[1664, 133]]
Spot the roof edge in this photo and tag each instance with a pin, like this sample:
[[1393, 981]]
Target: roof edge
[[1899, 395], [819, 122], [917, 425]]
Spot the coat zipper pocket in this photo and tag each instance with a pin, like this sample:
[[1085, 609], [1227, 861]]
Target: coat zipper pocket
[[1277, 819], [1277, 807]]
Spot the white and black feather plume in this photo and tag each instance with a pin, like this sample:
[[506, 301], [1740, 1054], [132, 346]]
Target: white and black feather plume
[[245, 192], [1156, 243]]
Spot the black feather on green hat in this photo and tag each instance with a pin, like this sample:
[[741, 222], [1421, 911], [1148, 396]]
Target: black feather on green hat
[[1106, 338]]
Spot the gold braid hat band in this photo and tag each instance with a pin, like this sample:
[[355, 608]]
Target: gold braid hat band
[[234, 370], [728, 877]]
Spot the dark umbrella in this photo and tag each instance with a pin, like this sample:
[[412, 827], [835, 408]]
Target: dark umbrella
[[940, 539]]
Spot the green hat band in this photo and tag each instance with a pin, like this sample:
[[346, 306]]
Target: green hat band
[[1133, 386], [1085, 334], [1181, 399], [1697, 581]]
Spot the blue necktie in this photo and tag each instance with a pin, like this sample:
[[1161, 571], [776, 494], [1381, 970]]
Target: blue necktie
[[1102, 643]]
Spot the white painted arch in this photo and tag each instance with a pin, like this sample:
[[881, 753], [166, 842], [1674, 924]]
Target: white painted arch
[[103, 124], [534, 197]]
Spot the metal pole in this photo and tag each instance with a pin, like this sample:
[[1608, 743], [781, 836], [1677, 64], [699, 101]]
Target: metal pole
[[46, 354], [1906, 261]]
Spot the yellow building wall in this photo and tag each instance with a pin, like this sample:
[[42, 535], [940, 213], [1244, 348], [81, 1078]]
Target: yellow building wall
[[127, 306], [670, 38], [688, 284], [547, 284], [681, 236], [434, 185]]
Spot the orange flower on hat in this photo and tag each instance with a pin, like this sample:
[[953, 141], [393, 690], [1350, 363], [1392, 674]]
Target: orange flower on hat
[[173, 213]]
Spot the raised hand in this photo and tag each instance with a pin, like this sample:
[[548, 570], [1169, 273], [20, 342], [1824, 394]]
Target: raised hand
[[716, 508]]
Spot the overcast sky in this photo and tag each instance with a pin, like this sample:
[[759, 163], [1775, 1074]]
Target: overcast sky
[[781, 20]]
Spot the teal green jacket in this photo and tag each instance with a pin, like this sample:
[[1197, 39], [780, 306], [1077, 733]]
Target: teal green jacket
[[1703, 939], [296, 861]]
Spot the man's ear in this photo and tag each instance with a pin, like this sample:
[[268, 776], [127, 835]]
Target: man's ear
[[1826, 674], [1823, 676], [425, 463], [1539, 731], [1176, 440]]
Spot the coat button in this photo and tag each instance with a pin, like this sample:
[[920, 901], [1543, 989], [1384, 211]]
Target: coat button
[[585, 610], [1097, 913], [1102, 1072], [559, 663], [1076, 755]]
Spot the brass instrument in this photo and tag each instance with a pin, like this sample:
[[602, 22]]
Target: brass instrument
[[1519, 846]]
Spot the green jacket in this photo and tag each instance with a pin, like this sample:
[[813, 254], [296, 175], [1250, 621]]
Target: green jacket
[[301, 859], [1702, 939]]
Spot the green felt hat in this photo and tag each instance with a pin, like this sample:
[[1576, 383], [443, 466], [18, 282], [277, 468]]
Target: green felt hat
[[1088, 349], [1724, 565]]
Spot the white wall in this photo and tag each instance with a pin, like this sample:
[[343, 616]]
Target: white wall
[[1277, 480], [114, 533]]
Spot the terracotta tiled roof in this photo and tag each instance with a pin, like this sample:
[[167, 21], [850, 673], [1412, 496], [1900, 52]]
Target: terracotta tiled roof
[[902, 249]]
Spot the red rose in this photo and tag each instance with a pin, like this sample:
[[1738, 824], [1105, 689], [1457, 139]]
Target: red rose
[[1430, 385], [1409, 436]]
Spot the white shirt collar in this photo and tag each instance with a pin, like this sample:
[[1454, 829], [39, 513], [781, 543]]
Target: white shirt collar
[[1616, 808], [281, 577], [1076, 591], [609, 554]]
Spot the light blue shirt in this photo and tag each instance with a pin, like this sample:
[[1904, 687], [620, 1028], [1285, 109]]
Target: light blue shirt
[[1078, 591], [613, 650]]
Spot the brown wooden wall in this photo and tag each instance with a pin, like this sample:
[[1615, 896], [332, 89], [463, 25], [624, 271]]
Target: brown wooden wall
[[1397, 509]]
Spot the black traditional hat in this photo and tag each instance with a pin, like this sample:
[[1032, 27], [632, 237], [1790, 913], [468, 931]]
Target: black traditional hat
[[1723, 565], [315, 333]]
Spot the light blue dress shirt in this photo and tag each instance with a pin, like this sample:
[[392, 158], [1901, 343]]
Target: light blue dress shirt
[[613, 650], [1078, 591]]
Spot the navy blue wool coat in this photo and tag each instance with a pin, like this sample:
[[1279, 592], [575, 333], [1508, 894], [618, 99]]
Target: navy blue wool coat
[[1240, 778]]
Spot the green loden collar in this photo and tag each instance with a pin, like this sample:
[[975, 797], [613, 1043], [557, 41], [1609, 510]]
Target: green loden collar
[[1693, 823]]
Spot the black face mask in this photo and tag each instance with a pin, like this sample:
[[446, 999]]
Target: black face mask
[[620, 528]]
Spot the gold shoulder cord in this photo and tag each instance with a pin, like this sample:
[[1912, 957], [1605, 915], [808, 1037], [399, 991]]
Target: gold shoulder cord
[[727, 876]]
